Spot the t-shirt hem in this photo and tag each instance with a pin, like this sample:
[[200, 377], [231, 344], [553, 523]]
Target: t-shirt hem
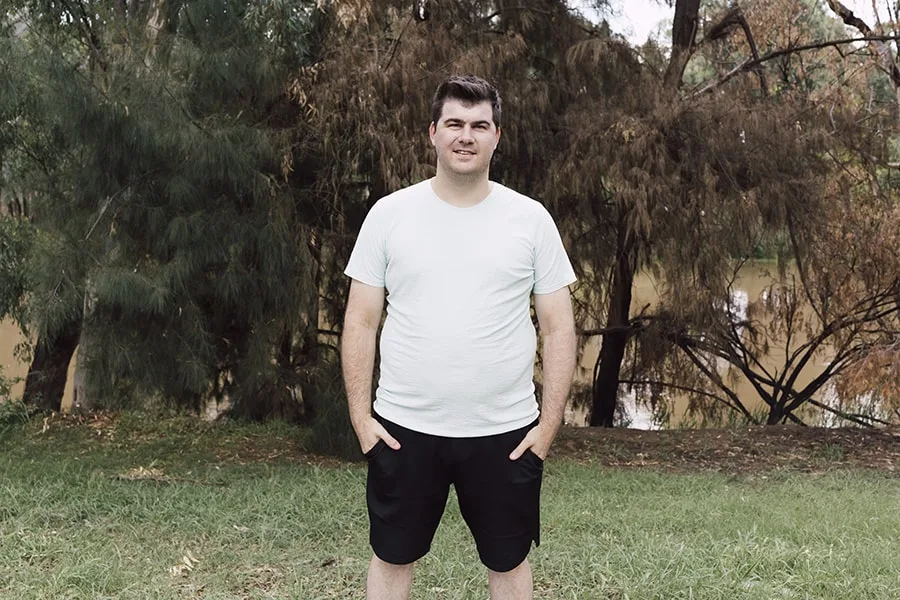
[[440, 429]]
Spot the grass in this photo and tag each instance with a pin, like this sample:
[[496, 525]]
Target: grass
[[171, 508]]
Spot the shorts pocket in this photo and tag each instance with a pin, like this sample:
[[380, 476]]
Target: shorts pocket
[[378, 447], [537, 459]]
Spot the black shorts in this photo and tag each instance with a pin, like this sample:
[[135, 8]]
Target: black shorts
[[499, 498]]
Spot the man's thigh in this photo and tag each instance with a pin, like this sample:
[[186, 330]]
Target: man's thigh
[[500, 498], [406, 492]]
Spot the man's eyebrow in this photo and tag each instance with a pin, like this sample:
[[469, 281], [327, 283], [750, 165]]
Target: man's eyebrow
[[455, 120]]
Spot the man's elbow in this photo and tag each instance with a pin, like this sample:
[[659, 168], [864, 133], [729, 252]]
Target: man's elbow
[[361, 321]]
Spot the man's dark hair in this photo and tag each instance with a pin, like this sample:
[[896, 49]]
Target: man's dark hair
[[468, 89]]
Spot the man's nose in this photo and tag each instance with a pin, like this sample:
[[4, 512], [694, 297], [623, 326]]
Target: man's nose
[[465, 135]]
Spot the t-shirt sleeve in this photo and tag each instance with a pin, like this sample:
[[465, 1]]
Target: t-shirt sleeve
[[368, 261], [552, 269]]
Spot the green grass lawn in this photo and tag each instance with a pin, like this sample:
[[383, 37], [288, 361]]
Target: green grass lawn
[[249, 517]]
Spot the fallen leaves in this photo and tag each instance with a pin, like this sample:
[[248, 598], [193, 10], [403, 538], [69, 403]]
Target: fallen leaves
[[188, 563], [157, 475], [739, 450], [142, 473]]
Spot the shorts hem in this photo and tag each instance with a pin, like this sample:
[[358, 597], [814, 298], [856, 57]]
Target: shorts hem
[[504, 566], [393, 560]]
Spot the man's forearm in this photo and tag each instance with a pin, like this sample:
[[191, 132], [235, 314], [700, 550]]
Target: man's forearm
[[558, 371], [358, 364]]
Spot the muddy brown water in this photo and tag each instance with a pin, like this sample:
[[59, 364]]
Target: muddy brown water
[[13, 368]]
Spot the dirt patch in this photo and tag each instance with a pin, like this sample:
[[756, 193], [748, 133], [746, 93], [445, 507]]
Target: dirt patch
[[738, 450]]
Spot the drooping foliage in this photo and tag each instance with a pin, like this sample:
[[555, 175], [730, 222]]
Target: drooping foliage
[[196, 172], [174, 237]]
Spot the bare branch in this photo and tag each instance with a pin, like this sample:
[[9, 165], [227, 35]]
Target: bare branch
[[864, 420], [634, 325], [735, 18], [881, 48], [396, 43], [714, 376], [754, 51], [681, 388], [749, 63], [726, 24], [724, 78]]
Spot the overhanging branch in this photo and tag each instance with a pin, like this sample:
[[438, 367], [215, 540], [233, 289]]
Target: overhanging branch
[[884, 53], [749, 64], [864, 420]]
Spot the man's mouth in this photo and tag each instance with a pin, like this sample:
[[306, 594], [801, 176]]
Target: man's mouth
[[464, 152]]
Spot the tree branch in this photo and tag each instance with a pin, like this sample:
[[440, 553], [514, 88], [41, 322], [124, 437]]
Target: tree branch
[[735, 18], [715, 378], [681, 388], [748, 63], [754, 51], [396, 44], [864, 420], [881, 49]]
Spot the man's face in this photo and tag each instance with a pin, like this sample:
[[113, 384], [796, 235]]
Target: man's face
[[464, 137]]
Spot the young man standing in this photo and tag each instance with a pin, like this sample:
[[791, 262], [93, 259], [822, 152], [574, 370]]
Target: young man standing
[[458, 258]]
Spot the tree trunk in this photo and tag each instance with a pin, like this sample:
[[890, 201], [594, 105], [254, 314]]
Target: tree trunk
[[83, 397], [684, 32], [776, 414], [46, 379], [612, 352]]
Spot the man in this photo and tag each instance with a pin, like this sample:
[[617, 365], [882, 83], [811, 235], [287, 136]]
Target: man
[[458, 258]]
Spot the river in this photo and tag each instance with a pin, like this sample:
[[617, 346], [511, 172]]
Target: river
[[13, 368], [753, 280]]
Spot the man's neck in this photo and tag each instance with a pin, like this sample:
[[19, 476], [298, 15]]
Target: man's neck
[[462, 192]]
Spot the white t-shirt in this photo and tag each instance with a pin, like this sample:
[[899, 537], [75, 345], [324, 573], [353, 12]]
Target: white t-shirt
[[458, 344]]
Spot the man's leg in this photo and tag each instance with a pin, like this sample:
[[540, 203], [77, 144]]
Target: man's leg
[[500, 501], [406, 491], [512, 585], [390, 582]]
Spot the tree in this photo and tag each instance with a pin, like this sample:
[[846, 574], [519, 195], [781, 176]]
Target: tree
[[684, 182], [197, 171], [619, 164], [166, 204], [792, 175], [383, 61]]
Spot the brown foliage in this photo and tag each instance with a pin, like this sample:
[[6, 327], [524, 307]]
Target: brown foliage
[[637, 173]]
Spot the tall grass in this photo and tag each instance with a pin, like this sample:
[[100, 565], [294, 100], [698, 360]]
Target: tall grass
[[176, 509]]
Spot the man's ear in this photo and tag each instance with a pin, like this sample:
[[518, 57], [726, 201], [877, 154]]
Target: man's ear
[[431, 131], [497, 139]]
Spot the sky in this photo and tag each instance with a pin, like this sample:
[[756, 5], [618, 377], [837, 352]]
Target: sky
[[639, 18]]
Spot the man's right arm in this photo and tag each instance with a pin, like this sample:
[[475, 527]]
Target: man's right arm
[[361, 321]]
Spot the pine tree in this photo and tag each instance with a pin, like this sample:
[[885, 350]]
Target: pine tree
[[174, 238]]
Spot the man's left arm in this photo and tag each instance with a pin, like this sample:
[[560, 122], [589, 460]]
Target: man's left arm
[[557, 326]]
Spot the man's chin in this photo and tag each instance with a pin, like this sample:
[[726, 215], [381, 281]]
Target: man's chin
[[467, 170]]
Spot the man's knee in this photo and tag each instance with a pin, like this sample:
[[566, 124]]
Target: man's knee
[[509, 571], [392, 568]]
